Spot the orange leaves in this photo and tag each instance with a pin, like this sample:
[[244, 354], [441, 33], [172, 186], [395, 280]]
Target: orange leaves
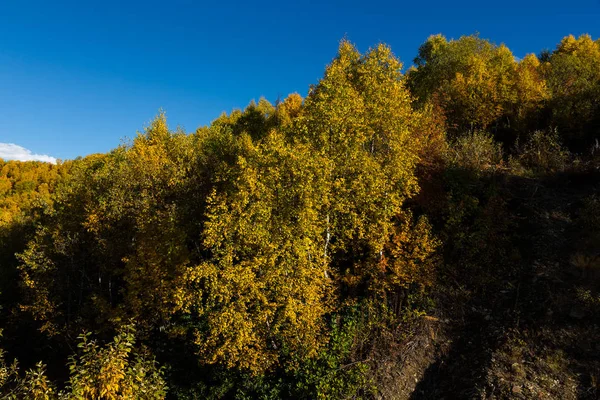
[[289, 110], [408, 259], [410, 254]]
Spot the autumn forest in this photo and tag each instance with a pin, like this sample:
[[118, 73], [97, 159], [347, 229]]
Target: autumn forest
[[401, 232]]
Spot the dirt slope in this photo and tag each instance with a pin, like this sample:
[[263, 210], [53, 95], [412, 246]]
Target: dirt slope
[[537, 334]]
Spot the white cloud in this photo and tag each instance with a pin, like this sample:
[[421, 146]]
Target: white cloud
[[11, 151]]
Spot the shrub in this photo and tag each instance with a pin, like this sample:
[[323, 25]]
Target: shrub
[[590, 213], [594, 161], [543, 152], [111, 372], [476, 151]]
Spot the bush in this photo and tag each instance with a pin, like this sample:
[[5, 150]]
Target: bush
[[594, 159], [476, 151], [111, 372], [590, 213], [543, 152]]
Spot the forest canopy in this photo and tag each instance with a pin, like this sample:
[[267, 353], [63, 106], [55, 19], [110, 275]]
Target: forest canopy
[[288, 250]]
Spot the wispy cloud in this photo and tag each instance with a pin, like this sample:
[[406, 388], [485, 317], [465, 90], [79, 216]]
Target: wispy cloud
[[11, 151]]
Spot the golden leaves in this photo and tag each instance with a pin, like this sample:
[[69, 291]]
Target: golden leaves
[[265, 286]]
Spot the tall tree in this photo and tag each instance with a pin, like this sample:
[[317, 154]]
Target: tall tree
[[532, 93], [359, 120], [470, 78], [573, 75], [264, 290]]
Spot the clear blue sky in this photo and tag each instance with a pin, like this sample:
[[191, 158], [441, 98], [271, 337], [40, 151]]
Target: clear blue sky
[[76, 77]]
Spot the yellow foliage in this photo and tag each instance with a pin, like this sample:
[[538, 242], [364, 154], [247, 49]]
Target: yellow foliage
[[289, 109], [409, 257], [265, 286], [573, 76], [110, 373], [25, 185]]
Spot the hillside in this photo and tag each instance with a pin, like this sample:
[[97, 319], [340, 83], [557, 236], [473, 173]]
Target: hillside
[[421, 235], [535, 336]]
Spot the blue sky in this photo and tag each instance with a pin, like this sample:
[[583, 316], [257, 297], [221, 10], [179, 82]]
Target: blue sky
[[77, 77]]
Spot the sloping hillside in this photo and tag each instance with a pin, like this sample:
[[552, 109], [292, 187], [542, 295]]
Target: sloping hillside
[[537, 335]]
